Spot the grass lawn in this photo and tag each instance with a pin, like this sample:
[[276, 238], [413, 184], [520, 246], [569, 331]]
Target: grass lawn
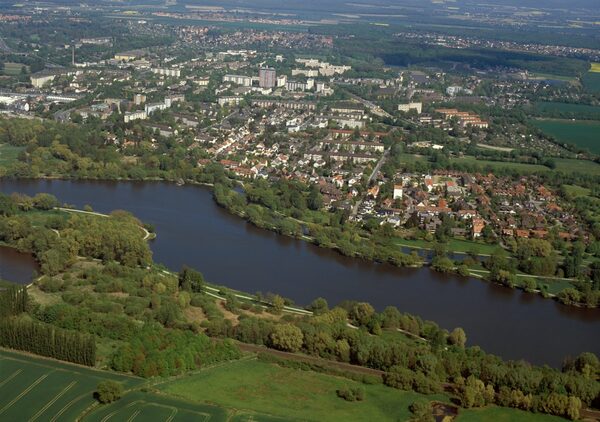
[[263, 387], [503, 414], [453, 245], [595, 67], [39, 217], [584, 134], [9, 154], [41, 389]]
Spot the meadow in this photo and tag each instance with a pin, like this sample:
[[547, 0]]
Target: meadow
[[291, 393], [583, 134]]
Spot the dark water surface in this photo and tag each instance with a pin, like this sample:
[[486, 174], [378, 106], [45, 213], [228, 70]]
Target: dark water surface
[[16, 266], [193, 230]]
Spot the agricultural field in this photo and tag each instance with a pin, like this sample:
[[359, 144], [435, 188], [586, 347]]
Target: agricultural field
[[9, 154], [153, 407], [566, 110], [46, 390], [583, 134], [14, 69], [595, 67], [591, 81], [284, 392]]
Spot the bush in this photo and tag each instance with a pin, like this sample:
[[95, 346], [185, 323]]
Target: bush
[[109, 391], [351, 393]]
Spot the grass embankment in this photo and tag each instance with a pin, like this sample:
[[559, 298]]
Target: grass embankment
[[285, 392]]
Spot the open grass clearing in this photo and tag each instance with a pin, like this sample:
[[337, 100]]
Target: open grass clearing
[[289, 393], [9, 154]]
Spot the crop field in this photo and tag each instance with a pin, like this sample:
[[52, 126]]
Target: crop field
[[292, 394], [595, 68], [45, 390], [591, 81], [153, 407], [14, 68], [568, 110], [584, 134]]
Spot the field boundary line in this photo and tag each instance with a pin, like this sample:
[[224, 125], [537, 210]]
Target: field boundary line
[[24, 393], [172, 415], [51, 402], [111, 414], [14, 374], [68, 405], [132, 417]]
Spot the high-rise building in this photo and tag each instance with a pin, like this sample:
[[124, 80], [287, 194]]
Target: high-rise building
[[266, 77]]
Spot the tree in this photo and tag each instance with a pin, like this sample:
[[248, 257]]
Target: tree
[[287, 337], [319, 306], [109, 391], [421, 411], [361, 313], [458, 337], [190, 280], [278, 304]]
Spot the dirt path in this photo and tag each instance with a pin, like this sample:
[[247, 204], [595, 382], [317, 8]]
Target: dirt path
[[253, 348]]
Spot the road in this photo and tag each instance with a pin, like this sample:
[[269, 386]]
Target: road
[[373, 108], [369, 180]]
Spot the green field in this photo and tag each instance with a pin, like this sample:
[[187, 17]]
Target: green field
[[13, 69], [566, 165], [570, 110], [503, 414], [46, 390], [9, 154], [154, 407], [591, 82], [584, 134], [284, 392]]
